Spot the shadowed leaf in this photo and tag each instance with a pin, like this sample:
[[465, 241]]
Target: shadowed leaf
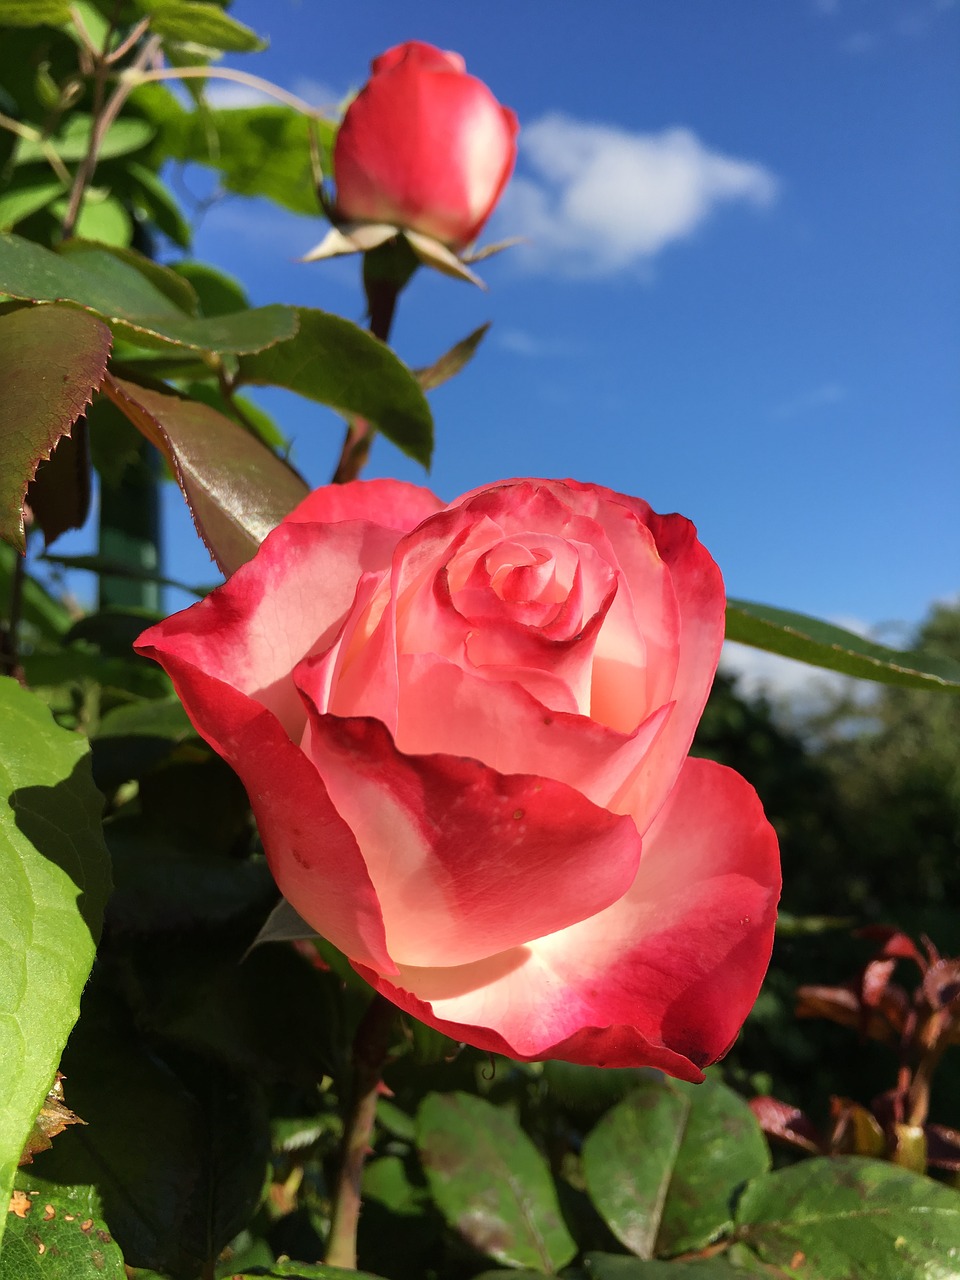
[[52, 359]]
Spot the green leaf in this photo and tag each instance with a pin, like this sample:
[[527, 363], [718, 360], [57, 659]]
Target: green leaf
[[72, 142], [304, 1271], [53, 886], [219, 294], [833, 1219], [123, 295], [51, 361], [102, 218], [821, 644], [33, 13], [167, 281], [491, 1183], [612, 1266], [339, 364], [116, 568], [236, 489], [452, 361], [258, 151], [61, 1235], [25, 198], [664, 1166], [195, 22]]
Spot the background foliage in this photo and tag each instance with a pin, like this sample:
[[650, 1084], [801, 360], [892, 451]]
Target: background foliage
[[196, 1130]]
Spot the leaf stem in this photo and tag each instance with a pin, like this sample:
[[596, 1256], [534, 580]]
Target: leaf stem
[[10, 632], [137, 77], [370, 1048]]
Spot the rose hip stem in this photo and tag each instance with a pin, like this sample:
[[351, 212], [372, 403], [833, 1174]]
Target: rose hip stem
[[370, 1047], [386, 270]]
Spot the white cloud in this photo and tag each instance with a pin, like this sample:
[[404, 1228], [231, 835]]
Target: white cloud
[[600, 199], [782, 681], [319, 93], [521, 343]]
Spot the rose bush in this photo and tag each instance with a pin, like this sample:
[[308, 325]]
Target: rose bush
[[464, 733], [424, 146]]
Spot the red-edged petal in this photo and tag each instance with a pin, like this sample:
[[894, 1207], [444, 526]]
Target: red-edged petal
[[426, 56], [664, 977], [465, 861], [393, 504], [289, 601], [312, 853]]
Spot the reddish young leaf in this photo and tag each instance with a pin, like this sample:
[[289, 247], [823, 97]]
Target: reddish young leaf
[[789, 1124], [236, 489], [52, 359]]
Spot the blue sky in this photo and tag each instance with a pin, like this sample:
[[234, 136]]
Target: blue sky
[[742, 302]]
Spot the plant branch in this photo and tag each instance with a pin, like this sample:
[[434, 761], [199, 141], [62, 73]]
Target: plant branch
[[224, 73], [10, 633], [370, 1048]]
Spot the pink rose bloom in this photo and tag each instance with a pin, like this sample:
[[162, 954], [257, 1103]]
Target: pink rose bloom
[[424, 146], [464, 733]]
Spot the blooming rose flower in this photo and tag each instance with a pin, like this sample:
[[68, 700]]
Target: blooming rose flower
[[424, 146], [464, 733]]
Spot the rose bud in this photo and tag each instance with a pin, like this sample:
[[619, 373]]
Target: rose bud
[[464, 733], [424, 147]]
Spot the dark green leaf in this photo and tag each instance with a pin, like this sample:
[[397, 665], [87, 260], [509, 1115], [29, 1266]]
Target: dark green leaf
[[61, 1235], [33, 13], [258, 151], [611, 1266], [122, 294], [167, 281], [53, 886], [664, 1166], [491, 1183], [52, 359], [236, 489], [219, 293], [196, 22], [821, 644], [177, 1150], [834, 1219], [452, 361], [339, 364]]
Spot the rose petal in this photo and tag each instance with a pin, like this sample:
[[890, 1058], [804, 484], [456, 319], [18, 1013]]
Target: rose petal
[[253, 630], [664, 977], [312, 853], [392, 504], [460, 855]]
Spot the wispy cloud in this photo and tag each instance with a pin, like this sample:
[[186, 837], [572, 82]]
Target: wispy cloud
[[820, 397], [228, 93], [521, 343], [597, 199]]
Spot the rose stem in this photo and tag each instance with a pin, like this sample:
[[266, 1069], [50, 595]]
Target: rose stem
[[370, 1046], [386, 271]]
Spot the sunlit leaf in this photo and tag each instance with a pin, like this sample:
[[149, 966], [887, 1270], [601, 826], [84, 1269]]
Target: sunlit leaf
[[196, 22], [124, 296], [236, 489], [51, 361], [663, 1167], [821, 644], [33, 13], [339, 364], [27, 197], [452, 361], [72, 142], [54, 881], [830, 1219], [60, 1234]]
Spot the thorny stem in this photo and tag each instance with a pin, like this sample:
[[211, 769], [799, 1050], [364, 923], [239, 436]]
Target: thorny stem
[[370, 1046]]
